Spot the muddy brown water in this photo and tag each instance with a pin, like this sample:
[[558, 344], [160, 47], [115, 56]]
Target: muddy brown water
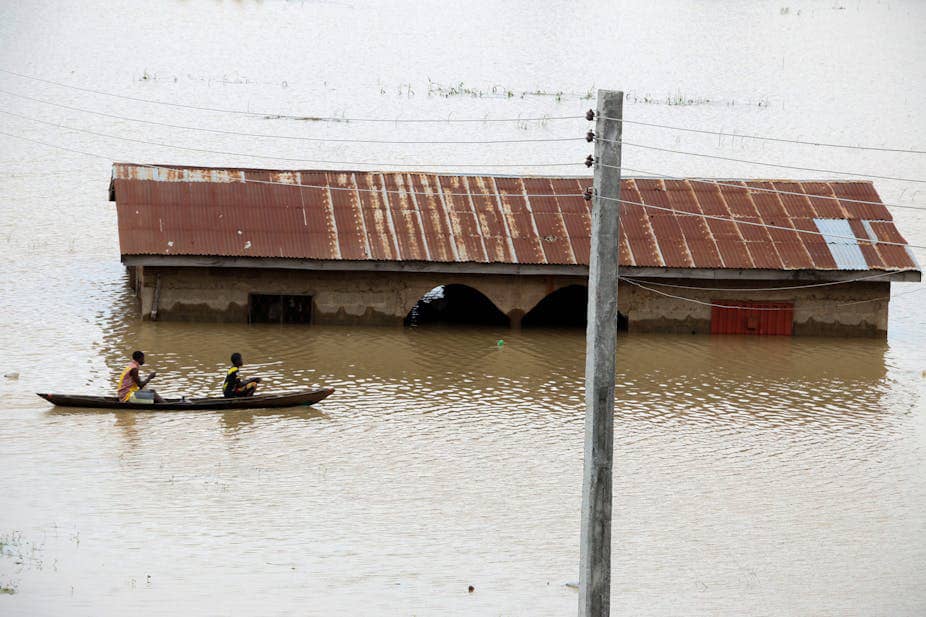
[[752, 476]]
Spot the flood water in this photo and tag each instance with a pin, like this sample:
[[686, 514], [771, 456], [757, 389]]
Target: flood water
[[752, 476]]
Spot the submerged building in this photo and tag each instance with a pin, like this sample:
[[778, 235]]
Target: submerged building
[[753, 257]]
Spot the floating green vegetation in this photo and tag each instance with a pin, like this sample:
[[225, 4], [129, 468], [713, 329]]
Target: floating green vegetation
[[496, 91], [23, 552], [499, 91], [678, 99], [9, 540], [10, 544], [233, 78]]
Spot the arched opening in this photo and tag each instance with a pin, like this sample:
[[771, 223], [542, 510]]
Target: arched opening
[[455, 304], [567, 307]]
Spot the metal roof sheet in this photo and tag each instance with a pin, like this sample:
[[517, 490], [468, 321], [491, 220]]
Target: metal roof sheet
[[412, 216], [846, 253]]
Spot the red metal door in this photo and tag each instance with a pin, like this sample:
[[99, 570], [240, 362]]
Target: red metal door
[[759, 318]]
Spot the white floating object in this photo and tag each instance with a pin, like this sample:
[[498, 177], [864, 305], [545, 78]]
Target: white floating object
[[13, 375]]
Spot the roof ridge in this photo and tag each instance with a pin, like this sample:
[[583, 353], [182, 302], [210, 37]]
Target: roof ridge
[[486, 175]]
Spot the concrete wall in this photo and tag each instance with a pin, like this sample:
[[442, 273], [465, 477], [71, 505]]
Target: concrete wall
[[221, 294], [848, 309]]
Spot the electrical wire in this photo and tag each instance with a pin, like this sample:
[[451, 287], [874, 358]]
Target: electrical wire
[[653, 174], [299, 186], [623, 201], [372, 141], [702, 302], [56, 146], [750, 188], [789, 288], [764, 164], [765, 225], [891, 297], [290, 137], [764, 138], [751, 308], [286, 116], [281, 158], [327, 187], [623, 278]]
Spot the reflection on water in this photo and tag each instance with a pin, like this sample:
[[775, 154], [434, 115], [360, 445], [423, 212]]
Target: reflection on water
[[742, 466], [230, 419], [444, 460]]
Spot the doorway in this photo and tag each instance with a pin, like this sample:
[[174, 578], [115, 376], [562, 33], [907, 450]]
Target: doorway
[[277, 308]]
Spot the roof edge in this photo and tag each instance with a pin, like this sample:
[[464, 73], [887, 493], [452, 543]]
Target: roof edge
[[477, 175], [707, 274]]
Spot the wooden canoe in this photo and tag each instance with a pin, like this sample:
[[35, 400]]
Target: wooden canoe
[[258, 401]]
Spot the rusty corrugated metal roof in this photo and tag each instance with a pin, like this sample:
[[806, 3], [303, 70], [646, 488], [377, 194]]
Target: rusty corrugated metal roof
[[406, 216]]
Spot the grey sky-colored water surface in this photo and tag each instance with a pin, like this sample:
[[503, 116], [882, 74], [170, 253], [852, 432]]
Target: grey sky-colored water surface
[[764, 477]]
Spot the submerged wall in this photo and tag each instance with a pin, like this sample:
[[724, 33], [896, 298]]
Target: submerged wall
[[847, 309], [385, 298], [221, 294]]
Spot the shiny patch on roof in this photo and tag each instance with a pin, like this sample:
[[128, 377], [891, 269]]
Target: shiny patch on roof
[[842, 244]]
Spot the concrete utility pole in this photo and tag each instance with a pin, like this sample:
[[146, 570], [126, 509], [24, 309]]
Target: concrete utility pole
[[600, 351]]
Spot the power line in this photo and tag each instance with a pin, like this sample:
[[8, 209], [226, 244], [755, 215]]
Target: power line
[[281, 158], [623, 201], [779, 165], [65, 148], [327, 187], [891, 297], [679, 212], [778, 191], [290, 137], [38, 174], [765, 225], [623, 278], [298, 186], [765, 138], [789, 288], [377, 141], [287, 116], [751, 308], [319, 139], [702, 302]]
